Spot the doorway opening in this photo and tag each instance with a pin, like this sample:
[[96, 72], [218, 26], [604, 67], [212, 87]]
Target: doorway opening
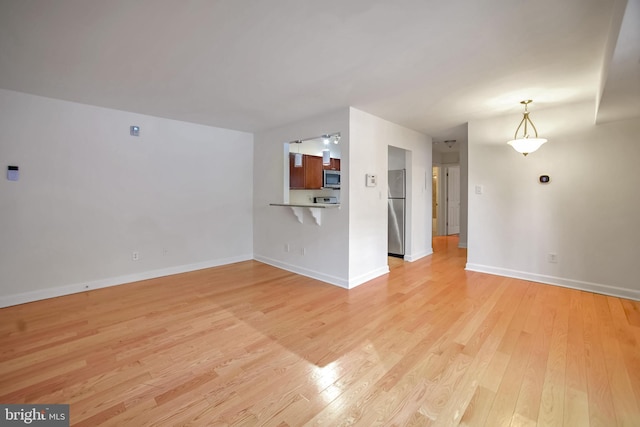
[[446, 200]]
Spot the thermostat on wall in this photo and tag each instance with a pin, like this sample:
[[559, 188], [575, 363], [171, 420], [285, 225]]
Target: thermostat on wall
[[372, 180], [13, 174]]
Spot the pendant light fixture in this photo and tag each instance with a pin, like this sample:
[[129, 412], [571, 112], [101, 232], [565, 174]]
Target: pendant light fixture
[[524, 143], [326, 157], [326, 152], [297, 157]]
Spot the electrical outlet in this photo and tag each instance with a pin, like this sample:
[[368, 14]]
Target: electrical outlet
[[287, 248], [303, 251], [135, 256], [552, 258], [165, 252]]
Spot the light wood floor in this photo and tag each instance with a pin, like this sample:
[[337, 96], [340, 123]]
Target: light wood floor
[[248, 344]]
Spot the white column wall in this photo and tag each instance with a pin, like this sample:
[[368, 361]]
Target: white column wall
[[325, 246], [369, 139]]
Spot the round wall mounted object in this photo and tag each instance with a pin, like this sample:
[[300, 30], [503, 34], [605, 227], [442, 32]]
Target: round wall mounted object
[[544, 179]]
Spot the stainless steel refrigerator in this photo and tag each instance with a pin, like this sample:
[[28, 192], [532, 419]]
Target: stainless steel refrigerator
[[396, 212]]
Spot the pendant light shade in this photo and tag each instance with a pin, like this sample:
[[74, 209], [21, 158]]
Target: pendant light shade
[[297, 157], [525, 143], [326, 157]]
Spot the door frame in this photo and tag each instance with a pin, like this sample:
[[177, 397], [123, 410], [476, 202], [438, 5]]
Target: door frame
[[456, 167], [443, 206]]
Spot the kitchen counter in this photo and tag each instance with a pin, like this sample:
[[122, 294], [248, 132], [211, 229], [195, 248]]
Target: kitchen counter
[[314, 208], [308, 205]]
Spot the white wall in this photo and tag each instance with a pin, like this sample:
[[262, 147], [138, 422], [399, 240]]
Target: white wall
[[587, 215], [397, 159], [446, 158], [369, 138], [89, 195], [326, 253]]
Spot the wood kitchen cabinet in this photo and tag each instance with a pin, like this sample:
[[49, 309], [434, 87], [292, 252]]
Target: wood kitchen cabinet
[[312, 172], [309, 176], [334, 165], [296, 175]]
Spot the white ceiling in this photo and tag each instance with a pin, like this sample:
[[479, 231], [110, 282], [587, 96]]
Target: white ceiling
[[254, 64]]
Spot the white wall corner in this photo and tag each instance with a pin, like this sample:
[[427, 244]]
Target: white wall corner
[[317, 275], [414, 257], [364, 278]]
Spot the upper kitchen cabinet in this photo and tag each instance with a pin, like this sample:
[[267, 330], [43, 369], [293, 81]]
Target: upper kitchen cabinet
[[312, 172], [309, 176], [334, 166]]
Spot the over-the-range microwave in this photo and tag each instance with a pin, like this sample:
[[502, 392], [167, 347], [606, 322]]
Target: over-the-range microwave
[[331, 179]]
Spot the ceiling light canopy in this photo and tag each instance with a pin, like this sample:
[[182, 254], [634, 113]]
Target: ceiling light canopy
[[524, 143]]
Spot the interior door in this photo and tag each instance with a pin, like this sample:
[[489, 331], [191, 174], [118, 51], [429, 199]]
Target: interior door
[[453, 200]]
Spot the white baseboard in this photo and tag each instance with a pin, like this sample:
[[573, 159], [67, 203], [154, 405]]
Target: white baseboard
[[363, 278], [597, 288], [22, 298], [412, 257], [332, 280]]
